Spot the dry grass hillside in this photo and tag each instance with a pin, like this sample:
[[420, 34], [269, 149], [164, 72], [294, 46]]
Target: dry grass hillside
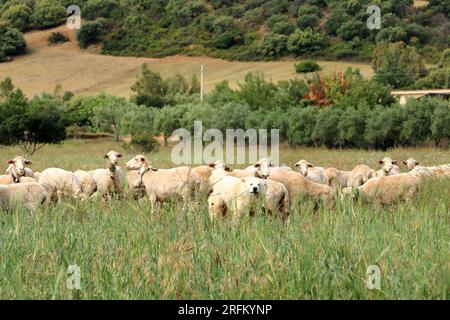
[[88, 72]]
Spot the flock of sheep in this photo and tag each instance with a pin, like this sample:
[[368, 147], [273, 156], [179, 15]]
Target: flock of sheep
[[230, 191]]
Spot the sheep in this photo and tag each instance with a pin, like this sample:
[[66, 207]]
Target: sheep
[[389, 168], [298, 185], [136, 188], [311, 172], [234, 195], [359, 175], [162, 184], [59, 182], [436, 171], [204, 172], [387, 189], [16, 170], [87, 183], [336, 178], [31, 194], [260, 169], [109, 181], [276, 199]]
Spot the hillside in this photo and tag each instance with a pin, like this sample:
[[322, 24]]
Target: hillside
[[89, 72]]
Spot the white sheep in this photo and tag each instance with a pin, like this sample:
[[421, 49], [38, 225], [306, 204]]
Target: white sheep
[[59, 183], [310, 172], [389, 168], [16, 170], [109, 181], [87, 183], [31, 194]]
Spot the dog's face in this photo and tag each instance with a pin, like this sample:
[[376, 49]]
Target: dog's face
[[254, 185]]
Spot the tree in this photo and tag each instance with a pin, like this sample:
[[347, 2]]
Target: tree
[[17, 16], [305, 41], [301, 123], [48, 13], [168, 119], [108, 112], [440, 127], [150, 89], [397, 65], [12, 42], [273, 45]]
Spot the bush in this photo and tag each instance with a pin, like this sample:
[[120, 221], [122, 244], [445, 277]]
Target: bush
[[301, 124], [273, 45], [307, 21], [12, 42], [90, 32], [307, 66], [305, 41], [144, 142], [440, 127], [57, 37], [48, 13], [17, 16]]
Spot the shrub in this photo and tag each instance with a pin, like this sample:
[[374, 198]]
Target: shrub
[[274, 45], [307, 21], [17, 16], [90, 33], [144, 142], [305, 41], [57, 37], [301, 123], [12, 42], [440, 127], [307, 66], [48, 13]]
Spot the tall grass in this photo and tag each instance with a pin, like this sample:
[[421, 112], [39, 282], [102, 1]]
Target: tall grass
[[124, 252]]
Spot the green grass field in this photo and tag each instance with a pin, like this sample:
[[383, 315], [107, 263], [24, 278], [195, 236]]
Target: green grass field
[[125, 253]]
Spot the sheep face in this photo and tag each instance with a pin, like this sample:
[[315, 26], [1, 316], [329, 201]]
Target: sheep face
[[254, 185], [113, 157], [303, 166], [139, 162], [17, 166], [263, 168], [388, 164], [220, 164], [411, 163]]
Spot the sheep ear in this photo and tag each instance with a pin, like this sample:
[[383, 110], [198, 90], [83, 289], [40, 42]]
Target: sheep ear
[[28, 162], [119, 155], [227, 168], [394, 161], [310, 165], [405, 163], [154, 169], [417, 163], [211, 165], [296, 165], [105, 156], [257, 165], [381, 162], [10, 161]]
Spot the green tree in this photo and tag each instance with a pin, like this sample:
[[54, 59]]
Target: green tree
[[17, 16], [150, 89], [48, 13], [168, 119], [440, 127], [397, 65], [12, 42], [305, 41]]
